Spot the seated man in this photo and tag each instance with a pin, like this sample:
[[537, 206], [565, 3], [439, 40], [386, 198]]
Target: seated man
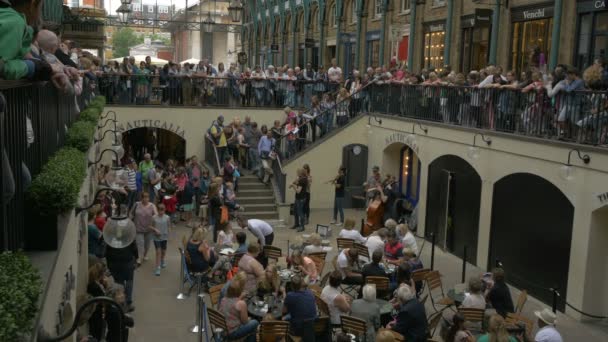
[[393, 250], [411, 320], [346, 262], [374, 268], [500, 295], [301, 309]]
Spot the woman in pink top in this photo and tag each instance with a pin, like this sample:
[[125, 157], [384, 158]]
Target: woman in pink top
[[306, 266], [252, 268]]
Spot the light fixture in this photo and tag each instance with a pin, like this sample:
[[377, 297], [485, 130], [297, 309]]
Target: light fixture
[[116, 178], [124, 10], [108, 114], [566, 171], [235, 9], [474, 151]]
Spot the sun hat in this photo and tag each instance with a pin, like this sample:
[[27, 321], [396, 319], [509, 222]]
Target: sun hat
[[546, 316]]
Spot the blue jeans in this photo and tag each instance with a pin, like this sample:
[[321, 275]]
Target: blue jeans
[[247, 328], [259, 96], [291, 148], [290, 99], [151, 193], [339, 208], [132, 197], [329, 121], [299, 212], [253, 161]]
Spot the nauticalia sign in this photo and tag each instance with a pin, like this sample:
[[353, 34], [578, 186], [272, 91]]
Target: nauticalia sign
[[169, 126]]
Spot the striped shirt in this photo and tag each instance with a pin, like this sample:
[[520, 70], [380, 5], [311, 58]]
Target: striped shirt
[[132, 183]]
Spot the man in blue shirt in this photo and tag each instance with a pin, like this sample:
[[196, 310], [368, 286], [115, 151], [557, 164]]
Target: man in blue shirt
[[301, 306]]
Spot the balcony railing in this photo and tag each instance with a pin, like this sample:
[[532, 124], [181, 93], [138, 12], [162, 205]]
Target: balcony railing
[[34, 121]]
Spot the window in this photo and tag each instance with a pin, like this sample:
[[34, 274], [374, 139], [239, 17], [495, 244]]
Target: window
[[163, 9], [433, 50], [378, 8], [334, 16], [353, 15], [150, 9], [405, 5], [137, 8]]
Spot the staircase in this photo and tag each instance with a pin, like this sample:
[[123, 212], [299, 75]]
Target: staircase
[[257, 198]]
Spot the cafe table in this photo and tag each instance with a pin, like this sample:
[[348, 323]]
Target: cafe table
[[259, 308]]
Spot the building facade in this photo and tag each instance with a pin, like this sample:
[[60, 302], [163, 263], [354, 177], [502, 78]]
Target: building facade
[[466, 35]]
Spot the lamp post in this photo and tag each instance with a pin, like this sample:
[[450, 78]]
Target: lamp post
[[208, 24]]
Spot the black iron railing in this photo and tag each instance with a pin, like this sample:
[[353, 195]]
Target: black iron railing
[[211, 155], [280, 178], [34, 123]]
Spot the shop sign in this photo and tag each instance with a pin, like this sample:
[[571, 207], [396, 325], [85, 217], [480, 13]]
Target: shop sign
[[169, 126], [592, 6], [372, 35], [276, 9], [309, 42], [404, 138], [301, 46], [274, 48], [481, 18], [346, 38], [601, 200], [532, 14], [435, 27]]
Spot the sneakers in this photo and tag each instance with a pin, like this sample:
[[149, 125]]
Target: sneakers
[[299, 230], [333, 222], [138, 262], [157, 272], [339, 224], [146, 258], [163, 264]]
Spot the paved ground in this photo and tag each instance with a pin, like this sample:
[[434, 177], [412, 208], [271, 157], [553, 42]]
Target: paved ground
[[159, 316]]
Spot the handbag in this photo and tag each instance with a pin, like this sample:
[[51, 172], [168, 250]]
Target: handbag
[[224, 217], [236, 173]]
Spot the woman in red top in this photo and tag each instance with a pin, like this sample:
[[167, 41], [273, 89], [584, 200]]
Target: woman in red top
[[393, 249]]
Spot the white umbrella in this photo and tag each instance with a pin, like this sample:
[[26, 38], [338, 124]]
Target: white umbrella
[[190, 61], [142, 58]]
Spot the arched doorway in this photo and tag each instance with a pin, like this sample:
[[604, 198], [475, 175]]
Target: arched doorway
[[531, 233], [354, 159], [162, 144], [401, 161], [453, 199]]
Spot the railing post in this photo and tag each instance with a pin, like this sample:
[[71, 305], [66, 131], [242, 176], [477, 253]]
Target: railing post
[[198, 312], [554, 302], [432, 251], [181, 295], [202, 321], [464, 264]]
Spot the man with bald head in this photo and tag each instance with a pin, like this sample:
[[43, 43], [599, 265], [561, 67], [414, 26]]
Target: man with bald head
[[48, 43]]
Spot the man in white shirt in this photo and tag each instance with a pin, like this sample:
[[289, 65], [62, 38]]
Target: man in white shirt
[[546, 323], [376, 240], [261, 229], [334, 73], [347, 261], [491, 70]]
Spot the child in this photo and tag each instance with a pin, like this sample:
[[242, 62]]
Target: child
[[113, 316], [230, 197], [170, 204], [100, 217], [161, 226], [225, 238]]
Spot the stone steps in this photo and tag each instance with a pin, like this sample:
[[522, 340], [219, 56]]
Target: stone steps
[[257, 198]]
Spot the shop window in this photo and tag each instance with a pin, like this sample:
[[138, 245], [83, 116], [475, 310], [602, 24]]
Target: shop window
[[409, 179], [530, 40], [433, 50], [405, 5], [378, 9], [334, 16], [373, 57]]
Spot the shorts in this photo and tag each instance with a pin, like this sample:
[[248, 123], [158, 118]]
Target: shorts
[[188, 207], [162, 244]]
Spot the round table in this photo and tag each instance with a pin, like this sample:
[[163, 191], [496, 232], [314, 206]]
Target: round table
[[260, 312], [386, 310], [458, 298]]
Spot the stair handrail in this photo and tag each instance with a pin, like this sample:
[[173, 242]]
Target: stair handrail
[[215, 155]]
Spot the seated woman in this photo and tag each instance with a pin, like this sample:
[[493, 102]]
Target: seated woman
[[408, 240], [234, 309], [270, 285], [367, 309], [474, 299], [393, 250], [315, 245], [411, 319], [348, 232], [252, 268], [338, 303], [458, 332], [306, 266], [497, 331], [202, 257]]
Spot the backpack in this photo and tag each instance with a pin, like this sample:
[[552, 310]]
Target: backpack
[[218, 128]]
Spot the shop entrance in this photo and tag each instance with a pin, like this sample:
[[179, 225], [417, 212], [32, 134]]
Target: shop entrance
[[475, 48], [160, 143]]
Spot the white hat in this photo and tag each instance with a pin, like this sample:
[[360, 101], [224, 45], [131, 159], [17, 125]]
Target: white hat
[[546, 316]]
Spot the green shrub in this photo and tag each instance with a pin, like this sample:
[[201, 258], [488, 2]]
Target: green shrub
[[55, 189], [99, 100], [20, 287], [91, 114], [80, 135]]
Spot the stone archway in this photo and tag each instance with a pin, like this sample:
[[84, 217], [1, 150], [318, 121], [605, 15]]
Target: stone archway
[[531, 234], [162, 143]]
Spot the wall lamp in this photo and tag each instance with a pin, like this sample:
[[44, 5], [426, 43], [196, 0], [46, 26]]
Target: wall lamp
[[369, 122], [473, 152], [108, 114], [117, 177], [566, 170], [424, 129]]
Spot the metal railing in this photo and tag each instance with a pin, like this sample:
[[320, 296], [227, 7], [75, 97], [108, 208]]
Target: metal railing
[[34, 122], [211, 155], [280, 178], [196, 90]]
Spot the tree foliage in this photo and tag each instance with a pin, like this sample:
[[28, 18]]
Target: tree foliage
[[123, 39]]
